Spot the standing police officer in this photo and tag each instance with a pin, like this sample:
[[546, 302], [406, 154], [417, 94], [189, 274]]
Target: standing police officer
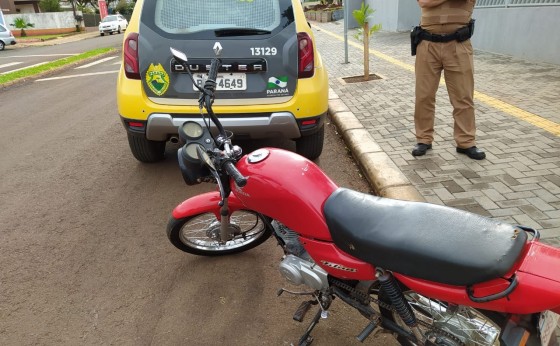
[[442, 43]]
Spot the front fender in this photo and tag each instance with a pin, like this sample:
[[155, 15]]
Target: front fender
[[205, 203]]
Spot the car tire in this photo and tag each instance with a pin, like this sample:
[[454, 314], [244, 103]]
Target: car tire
[[311, 146], [2, 45], [145, 150], [102, 34]]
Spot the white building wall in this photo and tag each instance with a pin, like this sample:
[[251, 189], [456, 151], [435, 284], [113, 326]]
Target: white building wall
[[531, 33], [50, 20]]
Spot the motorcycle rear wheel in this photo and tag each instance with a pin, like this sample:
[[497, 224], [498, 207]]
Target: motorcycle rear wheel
[[199, 234], [468, 326]]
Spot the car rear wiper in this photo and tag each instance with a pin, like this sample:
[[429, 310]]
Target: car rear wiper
[[240, 32]]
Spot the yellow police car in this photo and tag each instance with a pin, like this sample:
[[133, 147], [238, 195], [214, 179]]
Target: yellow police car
[[272, 82]]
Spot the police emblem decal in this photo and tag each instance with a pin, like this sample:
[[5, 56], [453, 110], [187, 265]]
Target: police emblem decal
[[157, 79]]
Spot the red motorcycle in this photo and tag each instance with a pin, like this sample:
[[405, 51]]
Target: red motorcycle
[[429, 274]]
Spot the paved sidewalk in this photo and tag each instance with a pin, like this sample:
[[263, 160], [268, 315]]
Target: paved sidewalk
[[518, 125]]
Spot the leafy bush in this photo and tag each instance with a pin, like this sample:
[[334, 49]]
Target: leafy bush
[[124, 7], [50, 6]]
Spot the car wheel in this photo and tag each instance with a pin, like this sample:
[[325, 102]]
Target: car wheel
[[311, 146], [2, 45], [102, 34], [145, 150]]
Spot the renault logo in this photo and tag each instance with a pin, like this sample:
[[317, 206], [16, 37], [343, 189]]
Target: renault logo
[[218, 48]]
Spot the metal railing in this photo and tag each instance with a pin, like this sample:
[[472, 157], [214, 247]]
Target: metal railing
[[515, 3]]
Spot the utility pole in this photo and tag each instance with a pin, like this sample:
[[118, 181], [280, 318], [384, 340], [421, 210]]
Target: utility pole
[[346, 14]]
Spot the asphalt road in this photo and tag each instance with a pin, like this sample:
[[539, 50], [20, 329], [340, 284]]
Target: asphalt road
[[23, 55], [84, 255]]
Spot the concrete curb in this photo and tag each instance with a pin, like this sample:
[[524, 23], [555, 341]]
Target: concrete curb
[[384, 176]]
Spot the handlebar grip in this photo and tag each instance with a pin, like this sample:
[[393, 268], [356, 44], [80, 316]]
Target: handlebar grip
[[214, 67], [239, 179]]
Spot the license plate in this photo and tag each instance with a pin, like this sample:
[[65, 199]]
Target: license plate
[[547, 324], [225, 81]]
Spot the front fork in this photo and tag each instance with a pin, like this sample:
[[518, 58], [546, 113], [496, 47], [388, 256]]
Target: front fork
[[225, 229]]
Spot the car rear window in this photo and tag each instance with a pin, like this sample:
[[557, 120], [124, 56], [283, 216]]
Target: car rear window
[[194, 16]]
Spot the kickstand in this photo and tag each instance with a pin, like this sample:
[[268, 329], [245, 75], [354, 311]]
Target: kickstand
[[306, 338]]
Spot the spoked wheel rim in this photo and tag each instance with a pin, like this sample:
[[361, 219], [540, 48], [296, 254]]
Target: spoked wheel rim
[[202, 231], [451, 326]]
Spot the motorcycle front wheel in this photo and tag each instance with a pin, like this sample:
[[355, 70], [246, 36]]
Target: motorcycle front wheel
[[200, 234], [444, 324]]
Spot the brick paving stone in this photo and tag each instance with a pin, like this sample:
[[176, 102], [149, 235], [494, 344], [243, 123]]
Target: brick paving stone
[[520, 179]]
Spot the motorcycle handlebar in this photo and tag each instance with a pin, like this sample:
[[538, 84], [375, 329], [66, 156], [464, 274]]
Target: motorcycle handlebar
[[210, 87], [239, 179], [214, 67]]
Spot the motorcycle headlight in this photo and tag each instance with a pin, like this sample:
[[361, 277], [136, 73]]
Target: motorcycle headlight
[[192, 157], [192, 168]]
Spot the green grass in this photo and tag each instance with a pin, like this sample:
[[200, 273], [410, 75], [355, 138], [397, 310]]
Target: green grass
[[12, 76]]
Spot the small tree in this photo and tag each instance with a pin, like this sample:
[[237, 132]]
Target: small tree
[[364, 32], [20, 23]]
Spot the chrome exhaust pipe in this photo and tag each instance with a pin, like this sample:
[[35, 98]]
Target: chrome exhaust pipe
[[174, 139]]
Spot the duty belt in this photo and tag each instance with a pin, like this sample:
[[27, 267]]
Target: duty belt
[[417, 34], [462, 34]]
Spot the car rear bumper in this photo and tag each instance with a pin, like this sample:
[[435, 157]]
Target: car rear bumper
[[107, 30], [160, 127]]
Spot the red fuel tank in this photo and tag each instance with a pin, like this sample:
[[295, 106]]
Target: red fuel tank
[[288, 188]]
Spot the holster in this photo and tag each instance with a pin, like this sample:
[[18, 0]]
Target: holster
[[465, 32], [415, 38]]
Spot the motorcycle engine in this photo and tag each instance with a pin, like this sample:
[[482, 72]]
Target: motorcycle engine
[[297, 266], [299, 271]]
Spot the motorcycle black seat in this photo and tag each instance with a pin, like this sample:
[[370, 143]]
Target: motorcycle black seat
[[422, 240]]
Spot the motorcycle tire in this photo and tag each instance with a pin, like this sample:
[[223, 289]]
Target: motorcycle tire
[[199, 234], [463, 326]]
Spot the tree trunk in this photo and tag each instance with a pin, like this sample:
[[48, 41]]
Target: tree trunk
[[366, 51]]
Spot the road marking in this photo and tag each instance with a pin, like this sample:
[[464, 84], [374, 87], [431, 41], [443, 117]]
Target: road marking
[[11, 64], [42, 55], [96, 62], [545, 124], [26, 67], [76, 76]]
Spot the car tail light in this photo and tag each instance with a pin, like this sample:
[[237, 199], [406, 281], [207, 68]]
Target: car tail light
[[131, 65], [306, 57]]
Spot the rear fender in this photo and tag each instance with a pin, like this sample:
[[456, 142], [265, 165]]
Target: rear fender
[[538, 280], [205, 203]]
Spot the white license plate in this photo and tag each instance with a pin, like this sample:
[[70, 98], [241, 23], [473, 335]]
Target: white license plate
[[225, 81], [547, 324]]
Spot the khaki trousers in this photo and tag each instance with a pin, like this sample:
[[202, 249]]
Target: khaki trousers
[[455, 59]]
